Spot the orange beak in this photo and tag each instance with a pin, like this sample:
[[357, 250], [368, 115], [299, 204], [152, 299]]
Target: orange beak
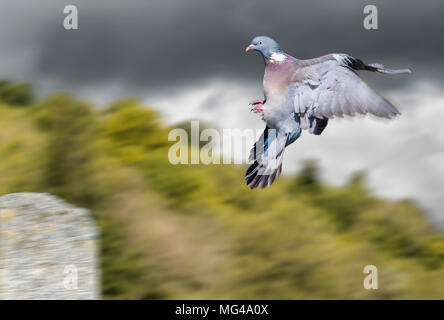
[[249, 48]]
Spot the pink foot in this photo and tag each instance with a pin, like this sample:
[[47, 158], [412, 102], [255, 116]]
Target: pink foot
[[257, 109], [257, 106], [255, 102]]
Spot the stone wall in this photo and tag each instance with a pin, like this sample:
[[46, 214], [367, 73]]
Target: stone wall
[[48, 249]]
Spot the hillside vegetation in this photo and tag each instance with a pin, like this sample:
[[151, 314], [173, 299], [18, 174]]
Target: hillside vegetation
[[198, 232]]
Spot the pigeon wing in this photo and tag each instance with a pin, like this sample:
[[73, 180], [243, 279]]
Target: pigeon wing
[[336, 92]]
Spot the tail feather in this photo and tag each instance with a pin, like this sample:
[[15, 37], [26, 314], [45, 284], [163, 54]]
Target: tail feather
[[255, 178], [267, 164], [259, 146]]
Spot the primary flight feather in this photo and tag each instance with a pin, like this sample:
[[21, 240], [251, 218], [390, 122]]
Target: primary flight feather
[[305, 94]]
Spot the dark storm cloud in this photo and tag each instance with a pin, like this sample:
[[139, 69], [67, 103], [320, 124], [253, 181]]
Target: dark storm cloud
[[150, 44]]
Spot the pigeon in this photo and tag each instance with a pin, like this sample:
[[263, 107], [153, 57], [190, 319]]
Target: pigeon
[[305, 95]]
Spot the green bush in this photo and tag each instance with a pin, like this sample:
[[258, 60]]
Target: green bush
[[71, 151], [301, 238], [15, 94]]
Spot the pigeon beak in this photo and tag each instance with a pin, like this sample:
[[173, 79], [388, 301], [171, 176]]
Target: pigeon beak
[[249, 48]]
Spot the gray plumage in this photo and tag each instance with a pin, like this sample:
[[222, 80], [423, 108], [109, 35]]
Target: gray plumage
[[304, 95]]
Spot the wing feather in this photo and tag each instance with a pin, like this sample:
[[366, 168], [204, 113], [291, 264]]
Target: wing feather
[[337, 92]]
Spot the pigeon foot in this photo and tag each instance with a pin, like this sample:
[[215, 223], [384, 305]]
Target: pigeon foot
[[257, 109], [257, 106]]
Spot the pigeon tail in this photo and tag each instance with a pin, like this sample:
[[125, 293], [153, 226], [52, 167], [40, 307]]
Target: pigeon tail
[[255, 179], [259, 146], [267, 154]]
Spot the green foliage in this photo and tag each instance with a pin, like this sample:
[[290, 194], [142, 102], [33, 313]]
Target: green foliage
[[123, 273], [433, 252], [341, 205], [178, 184], [308, 179], [194, 231], [20, 152], [15, 94], [70, 150], [186, 125], [132, 130], [118, 105]]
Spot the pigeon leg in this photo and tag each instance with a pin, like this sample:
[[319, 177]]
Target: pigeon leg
[[257, 109], [255, 102], [257, 106]]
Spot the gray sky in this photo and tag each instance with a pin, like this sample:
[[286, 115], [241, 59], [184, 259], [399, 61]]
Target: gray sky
[[186, 58], [157, 43]]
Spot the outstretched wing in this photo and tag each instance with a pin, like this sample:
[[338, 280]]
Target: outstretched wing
[[331, 90]]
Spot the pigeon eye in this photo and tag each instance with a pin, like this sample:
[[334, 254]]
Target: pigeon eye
[[261, 43]]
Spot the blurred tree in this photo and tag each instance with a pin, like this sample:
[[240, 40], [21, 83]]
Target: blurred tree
[[309, 175], [186, 125], [132, 130], [70, 166], [307, 180], [174, 181], [433, 252], [299, 239], [16, 94], [121, 104], [358, 180], [124, 275], [342, 204]]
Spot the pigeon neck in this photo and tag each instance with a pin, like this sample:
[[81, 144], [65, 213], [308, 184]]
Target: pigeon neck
[[277, 57]]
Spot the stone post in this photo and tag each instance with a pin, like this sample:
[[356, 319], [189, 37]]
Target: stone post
[[48, 249]]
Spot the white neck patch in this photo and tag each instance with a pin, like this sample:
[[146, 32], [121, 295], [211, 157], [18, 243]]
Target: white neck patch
[[277, 57]]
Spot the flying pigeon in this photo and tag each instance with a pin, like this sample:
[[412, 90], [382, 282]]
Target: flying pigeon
[[304, 95]]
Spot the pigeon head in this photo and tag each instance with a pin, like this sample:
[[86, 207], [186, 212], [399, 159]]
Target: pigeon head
[[266, 46]]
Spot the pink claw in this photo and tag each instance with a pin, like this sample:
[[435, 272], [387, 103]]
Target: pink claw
[[257, 109], [257, 106], [255, 102]]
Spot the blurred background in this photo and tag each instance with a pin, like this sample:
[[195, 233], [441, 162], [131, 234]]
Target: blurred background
[[85, 115]]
